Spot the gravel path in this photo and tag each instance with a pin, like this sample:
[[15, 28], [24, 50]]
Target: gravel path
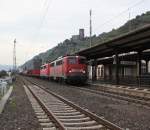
[[18, 113], [122, 113]]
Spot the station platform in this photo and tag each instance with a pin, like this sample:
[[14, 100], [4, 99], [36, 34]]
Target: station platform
[[141, 92]]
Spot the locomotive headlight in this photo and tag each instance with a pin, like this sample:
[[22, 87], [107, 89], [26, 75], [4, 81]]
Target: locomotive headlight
[[83, 71], [70, 71]]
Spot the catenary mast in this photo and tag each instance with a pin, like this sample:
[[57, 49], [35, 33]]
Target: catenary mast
[[90, 28], [14, 56]]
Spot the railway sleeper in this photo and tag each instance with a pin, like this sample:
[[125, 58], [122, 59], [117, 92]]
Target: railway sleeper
[[87, 123], [40, 114], [58, 106], [65, 111], [60, 109], [47, 124], [66, 114], [76, 120], [45, 120], [42, 117], [96, 127], [71, 117], [53, 128]]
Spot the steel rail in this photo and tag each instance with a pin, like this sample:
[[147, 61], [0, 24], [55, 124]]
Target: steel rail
[[102, 121], [124, 97], [47, 111]]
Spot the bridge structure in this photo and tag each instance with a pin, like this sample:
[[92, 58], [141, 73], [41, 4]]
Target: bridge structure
[[122, 60]]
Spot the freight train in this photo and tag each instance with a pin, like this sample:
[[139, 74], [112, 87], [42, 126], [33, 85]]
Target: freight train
[[71, 69]]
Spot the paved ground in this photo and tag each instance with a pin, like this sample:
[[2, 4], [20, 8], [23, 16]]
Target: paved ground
[[18, 113]]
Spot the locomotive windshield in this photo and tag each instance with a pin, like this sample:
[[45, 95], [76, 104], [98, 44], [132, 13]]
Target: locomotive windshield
[[75, 60], [72, 60]]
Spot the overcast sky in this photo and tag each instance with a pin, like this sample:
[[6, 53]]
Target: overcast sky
[[39, 25]]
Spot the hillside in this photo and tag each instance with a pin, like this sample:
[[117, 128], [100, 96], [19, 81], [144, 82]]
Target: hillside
[[69, 46]]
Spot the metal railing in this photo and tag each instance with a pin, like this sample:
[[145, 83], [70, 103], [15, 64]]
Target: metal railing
[[4, 86]]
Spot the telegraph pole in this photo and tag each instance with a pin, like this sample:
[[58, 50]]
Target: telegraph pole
[[90, 28], [14, 56]]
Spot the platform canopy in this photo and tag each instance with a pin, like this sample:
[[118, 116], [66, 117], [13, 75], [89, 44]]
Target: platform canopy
[[137, 40]]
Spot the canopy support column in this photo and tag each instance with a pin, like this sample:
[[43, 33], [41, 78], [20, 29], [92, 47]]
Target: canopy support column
[[116, 58], [147, 61], [94, 66], [139, 68]]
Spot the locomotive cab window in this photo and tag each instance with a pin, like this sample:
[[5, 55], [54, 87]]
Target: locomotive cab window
[[72, 60], [60, 62], [43, 67]]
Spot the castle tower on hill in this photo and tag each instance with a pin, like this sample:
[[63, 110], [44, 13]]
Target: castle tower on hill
[[78, 37], [81, 34]]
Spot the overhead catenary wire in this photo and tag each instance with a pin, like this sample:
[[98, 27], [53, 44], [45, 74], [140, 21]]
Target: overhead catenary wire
[[44, 10], [42, 17], [118, 15], [46, 7]]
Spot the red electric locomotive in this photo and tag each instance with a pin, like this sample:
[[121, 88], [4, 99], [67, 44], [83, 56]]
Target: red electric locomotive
[[72, 69], [45, 71]]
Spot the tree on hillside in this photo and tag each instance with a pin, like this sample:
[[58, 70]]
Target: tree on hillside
[[3, 73]]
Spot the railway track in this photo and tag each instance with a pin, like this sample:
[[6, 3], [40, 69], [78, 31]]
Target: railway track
[[56, 113], [133, 91], [125, 97], [121, 96]]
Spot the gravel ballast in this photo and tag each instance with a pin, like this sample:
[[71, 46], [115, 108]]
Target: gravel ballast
[[122, 113], [18, 113]]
